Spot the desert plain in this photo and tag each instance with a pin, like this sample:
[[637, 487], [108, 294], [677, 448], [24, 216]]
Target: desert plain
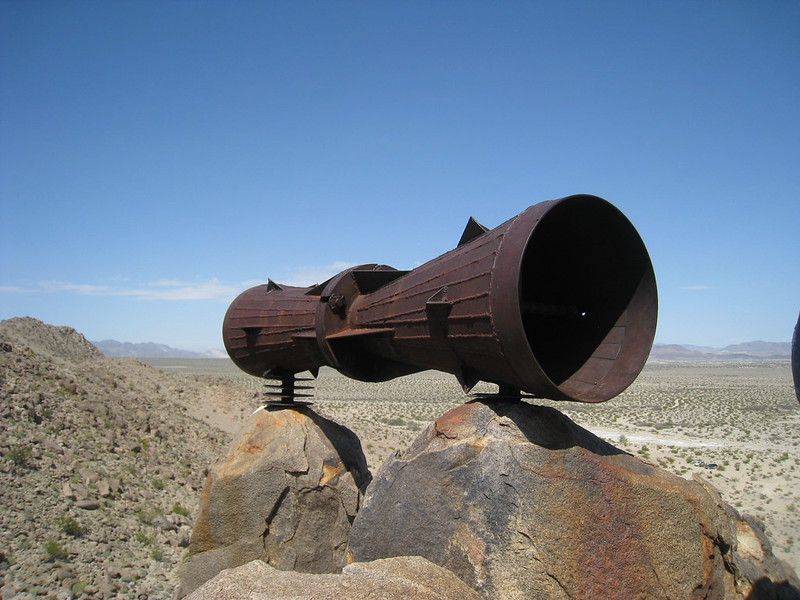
[[743, 417]]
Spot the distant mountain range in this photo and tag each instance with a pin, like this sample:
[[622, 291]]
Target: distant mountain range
[[661, 352], [746, 351], [116, 349]]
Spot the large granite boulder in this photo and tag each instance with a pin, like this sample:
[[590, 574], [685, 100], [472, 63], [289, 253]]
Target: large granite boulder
[[404, 578], [520, 502], [286, 493]]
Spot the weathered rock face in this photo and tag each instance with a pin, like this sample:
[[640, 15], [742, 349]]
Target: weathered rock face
[[403, 578], [286, 493], [520, 502]]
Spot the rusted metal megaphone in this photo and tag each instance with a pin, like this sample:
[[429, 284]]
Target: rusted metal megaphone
[[558, 302]]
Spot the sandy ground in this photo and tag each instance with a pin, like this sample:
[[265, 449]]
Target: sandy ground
[[742, 417]]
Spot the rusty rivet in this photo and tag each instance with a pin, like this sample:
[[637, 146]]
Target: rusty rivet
[[337, 303]]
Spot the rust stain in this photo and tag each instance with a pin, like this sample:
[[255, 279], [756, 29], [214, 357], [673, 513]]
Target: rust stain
[[330, 472], [202, 534], [455, 422], [472, 547]]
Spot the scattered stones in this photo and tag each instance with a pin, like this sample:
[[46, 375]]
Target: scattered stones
[[53, 446], [75, 491], [164, 524], [104, 488], [183, 539], [88, 476], [63, 573]]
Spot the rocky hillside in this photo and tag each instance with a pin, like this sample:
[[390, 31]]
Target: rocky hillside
[[60, 343], [101, 463]]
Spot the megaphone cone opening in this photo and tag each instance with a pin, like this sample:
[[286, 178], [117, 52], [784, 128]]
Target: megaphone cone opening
[[587, 298]]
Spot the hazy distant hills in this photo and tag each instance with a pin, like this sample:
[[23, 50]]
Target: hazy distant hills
[[757, 350], [116, 349]]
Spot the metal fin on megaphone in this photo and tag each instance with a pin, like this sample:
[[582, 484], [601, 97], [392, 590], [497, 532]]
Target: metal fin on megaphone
[[471, 231], [369, 280]]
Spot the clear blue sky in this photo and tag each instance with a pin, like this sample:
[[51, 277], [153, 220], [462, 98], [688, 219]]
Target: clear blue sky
[[158, 157]]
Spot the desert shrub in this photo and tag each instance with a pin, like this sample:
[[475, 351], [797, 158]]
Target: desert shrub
[[55, 550], [78, 588], [180, 510], [19, 455], [144, 538], [70, 526], [147, 513]]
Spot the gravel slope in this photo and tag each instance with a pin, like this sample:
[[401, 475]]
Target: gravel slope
[[101, 464]]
